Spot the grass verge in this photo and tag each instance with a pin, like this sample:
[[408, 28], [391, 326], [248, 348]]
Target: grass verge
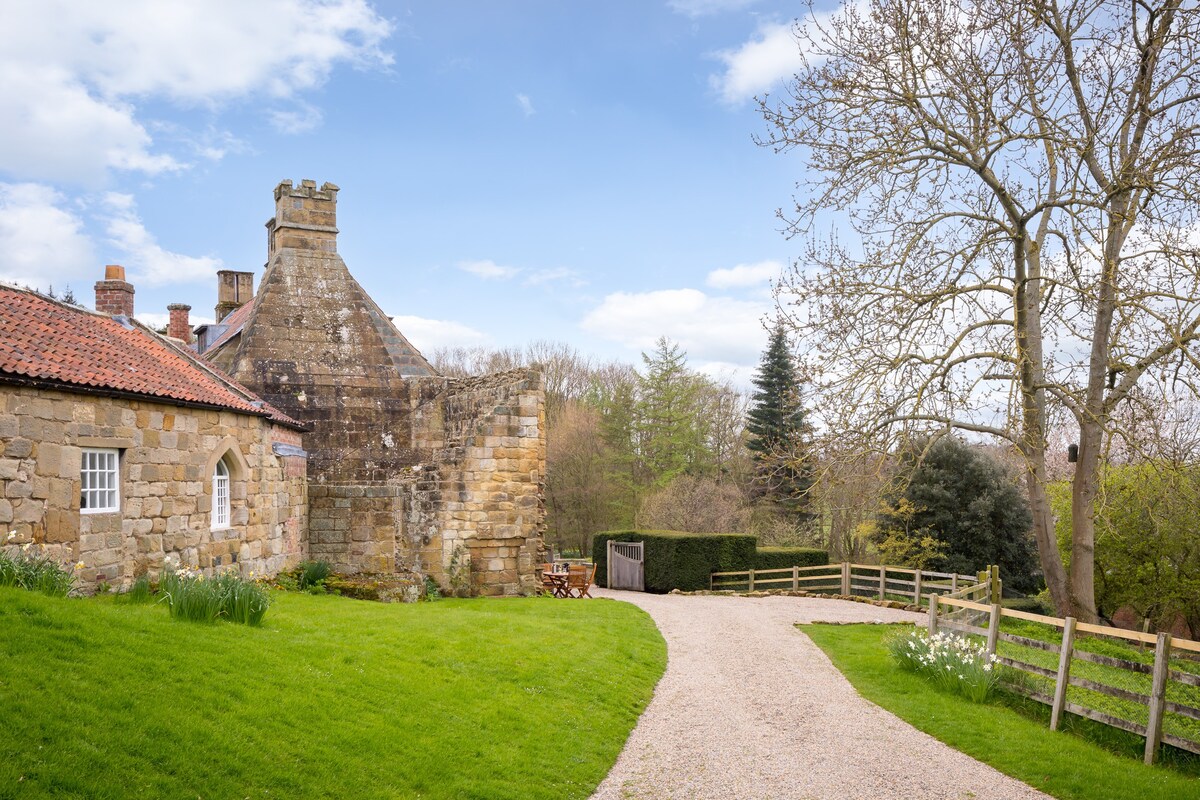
[[330, 697], [1057, 763]]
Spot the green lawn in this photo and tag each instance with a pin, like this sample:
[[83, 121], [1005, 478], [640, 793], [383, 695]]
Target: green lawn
[[1058, 763], [331, 697]]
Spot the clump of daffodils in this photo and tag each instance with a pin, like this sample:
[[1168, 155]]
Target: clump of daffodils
[[955, 663]]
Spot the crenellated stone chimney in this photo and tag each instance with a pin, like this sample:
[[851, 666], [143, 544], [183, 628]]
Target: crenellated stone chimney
[[305, 218], [179, 327], [113, 294], [234, 290]]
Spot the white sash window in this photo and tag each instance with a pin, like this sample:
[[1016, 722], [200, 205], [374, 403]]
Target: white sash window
[[99, 481], [220, 496]]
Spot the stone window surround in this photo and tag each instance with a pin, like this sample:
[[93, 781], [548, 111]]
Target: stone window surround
[[226, 450]]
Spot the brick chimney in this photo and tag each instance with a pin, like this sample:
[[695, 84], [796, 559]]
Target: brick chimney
[[305, 218], [178, 327], [234, 290], [113, 295]]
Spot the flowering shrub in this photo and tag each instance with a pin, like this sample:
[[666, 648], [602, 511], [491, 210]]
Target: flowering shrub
[[191, 596], [30, 569], [952, 662]]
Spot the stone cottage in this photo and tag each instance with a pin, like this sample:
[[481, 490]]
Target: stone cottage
[[335, 439], [409, 472], [119, 447]]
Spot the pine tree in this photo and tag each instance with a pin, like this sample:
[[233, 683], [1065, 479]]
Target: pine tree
[[777, 430]]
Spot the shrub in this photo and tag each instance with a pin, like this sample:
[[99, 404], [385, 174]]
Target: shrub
[[37, 574], [313, 573], [683, 561], [784, 557], [952, 662]]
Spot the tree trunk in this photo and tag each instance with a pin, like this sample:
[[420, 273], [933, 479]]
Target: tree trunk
[[1083, 523], [1044, 534]]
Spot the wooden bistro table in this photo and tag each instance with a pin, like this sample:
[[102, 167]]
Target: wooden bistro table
[[557, 581]]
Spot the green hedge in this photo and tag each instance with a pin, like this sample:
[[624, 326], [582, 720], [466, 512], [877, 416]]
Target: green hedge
[[785, 557], [675, 560]]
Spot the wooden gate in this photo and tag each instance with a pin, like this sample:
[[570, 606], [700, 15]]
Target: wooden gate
[[625, 566]]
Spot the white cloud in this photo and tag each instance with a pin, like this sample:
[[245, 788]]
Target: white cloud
[[710, 329], [744, 275], [41, 242], [488, 270], [554, 274], [147, 261], [701, 8], [526, 105], [159, 321], [428, 335], [759, 65], [301, 118], [72, 74]]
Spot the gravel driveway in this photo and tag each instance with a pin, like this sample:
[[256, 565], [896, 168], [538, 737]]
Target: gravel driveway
[[749, 707]]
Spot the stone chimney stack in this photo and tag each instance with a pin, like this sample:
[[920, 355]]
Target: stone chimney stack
[[305, 218], [234, 290], [113, 295], [179, 327]]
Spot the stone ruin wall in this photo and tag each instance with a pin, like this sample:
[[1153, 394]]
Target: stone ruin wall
[[167, 456], [477, 502]]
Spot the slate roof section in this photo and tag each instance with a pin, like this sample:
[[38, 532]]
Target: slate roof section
[[234, 321], [43, 341]]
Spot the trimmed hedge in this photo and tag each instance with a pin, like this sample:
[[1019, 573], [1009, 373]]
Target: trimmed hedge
[[675, 560], [785, 557]]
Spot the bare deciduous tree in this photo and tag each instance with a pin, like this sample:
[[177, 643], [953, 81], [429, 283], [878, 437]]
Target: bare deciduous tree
[[1022, 182]]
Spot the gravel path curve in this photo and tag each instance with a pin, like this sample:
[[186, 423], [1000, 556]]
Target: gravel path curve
[[750, 708]]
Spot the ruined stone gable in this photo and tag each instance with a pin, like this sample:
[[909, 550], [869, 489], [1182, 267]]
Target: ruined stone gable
[[408, 471]]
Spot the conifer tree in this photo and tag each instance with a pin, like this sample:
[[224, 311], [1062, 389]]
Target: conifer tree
[[671, 440], [776, 426]]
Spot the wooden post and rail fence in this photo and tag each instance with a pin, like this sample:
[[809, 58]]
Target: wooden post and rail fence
[[1158, 692], [867, 580]]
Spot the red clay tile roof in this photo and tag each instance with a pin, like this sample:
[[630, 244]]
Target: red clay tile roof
[[42, 340]]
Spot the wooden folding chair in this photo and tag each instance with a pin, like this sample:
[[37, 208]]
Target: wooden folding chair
[[579, 580], [549, 583]]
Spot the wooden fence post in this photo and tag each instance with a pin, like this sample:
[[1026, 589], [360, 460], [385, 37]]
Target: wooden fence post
[[1158, 695], [795, 578], [1064, 672], [845, 578], [993, 629], [882, 580], [608, 548], [751, 581], [953, 582], [997, 584], [933, 604], [917, 588]]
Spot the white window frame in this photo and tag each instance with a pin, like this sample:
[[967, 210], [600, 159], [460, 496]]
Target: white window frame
[[220, 496], [99, 480]]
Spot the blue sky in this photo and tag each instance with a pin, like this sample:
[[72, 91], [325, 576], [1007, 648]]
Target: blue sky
[[510, 171]]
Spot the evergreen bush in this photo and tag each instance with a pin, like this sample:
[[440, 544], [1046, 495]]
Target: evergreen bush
[[786, 557], [675, 560]]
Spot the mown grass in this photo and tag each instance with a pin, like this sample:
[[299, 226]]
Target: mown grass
[[329, 697], [1059, 763]]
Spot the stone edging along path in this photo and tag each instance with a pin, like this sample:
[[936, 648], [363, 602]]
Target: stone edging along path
[[750, 708]]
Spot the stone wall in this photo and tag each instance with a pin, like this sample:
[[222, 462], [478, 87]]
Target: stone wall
[[477, 500], [167, 456]]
